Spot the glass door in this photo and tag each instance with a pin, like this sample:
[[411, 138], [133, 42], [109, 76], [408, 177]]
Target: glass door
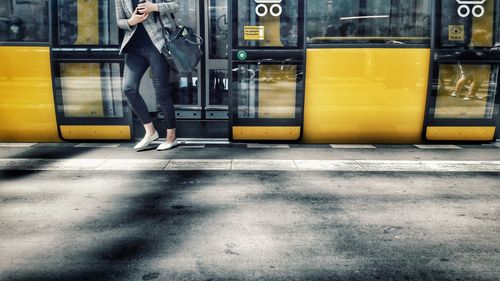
[[463, 103], [200, 97], [267, 63], [217, 55], [87, 71]]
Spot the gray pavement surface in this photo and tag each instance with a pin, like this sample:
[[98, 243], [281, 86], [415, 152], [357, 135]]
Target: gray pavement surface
[[434, 219]]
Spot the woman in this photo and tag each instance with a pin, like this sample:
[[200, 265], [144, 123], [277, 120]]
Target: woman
[[142, 45]]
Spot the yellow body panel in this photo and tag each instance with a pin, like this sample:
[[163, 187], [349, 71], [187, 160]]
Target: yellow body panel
[[95, 132], [266, 133], [460, 133], [365, 95], [27, 112]]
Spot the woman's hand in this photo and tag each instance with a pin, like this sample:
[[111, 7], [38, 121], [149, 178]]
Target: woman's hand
[[137, 18], [147, 7]]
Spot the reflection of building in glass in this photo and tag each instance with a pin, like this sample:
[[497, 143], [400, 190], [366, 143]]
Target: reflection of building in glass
[[377, 21], [24, 21]]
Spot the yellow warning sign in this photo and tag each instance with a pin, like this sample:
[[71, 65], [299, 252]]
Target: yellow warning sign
[[254, 32], [456, 33]]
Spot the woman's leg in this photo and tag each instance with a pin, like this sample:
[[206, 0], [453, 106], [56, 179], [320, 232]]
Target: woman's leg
[[459, 86], [135, 67], [161, 71]]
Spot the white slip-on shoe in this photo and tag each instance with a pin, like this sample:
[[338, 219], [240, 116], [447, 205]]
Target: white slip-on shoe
[[146, 141], [167, 145]]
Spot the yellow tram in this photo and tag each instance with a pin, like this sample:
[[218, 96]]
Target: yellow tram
[[344, 71]]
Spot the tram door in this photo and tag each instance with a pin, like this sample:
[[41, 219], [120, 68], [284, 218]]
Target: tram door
[[267, 63], [201, 97], [465, 71], [86, 69], [88, 73]]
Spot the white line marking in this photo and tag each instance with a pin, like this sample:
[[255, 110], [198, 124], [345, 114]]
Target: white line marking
[[203, 141], [437, 146], [113, 145], [249, 165], [260, 145], [257, 164], [463, 166], [16, 144], [390, 165], [191, 146], [328, 165], [352, 146], [18, 163], [134, 164], [199, 164], [67, 164]]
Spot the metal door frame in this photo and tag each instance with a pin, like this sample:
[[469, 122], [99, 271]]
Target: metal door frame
[[82, 54], [441, 55], [256, 54]]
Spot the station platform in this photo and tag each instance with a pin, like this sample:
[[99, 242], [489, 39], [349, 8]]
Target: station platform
[[219, 154], [225, 211]]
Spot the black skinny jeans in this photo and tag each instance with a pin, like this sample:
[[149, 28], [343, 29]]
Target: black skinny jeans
[[137, 61]]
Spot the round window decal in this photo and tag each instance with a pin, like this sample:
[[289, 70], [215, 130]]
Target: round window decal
[[276, 10], [464, 11], [477, 13], [261, 10]]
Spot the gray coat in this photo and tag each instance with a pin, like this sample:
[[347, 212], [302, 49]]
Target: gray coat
[[124, 11]]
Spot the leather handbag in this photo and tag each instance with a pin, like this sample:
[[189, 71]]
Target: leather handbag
[[182, 47]]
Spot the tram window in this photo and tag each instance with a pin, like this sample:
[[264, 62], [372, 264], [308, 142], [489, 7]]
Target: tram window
[[466, 91], [267, 91], [24, 21], [218, 85], [90, 90], [268, 24], [87, 23], [469, 30], [185, 88], [369, 21], [218, 26]]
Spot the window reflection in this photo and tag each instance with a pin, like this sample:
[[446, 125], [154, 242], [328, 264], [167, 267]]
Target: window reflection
[[218, 85], [90, 90], [267, 91], [83, 22], [24, 21], [375, 21], [276, 29], [185, 88], [219, 32], [466, 91], [469, 31]]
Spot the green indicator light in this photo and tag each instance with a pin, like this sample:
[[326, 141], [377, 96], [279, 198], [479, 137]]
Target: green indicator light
[[242, 55]]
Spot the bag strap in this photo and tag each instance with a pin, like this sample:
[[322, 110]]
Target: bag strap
[[171, 17]]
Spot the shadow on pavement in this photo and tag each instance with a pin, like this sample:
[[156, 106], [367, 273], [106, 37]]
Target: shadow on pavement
[[16, 172], [194, 225]]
